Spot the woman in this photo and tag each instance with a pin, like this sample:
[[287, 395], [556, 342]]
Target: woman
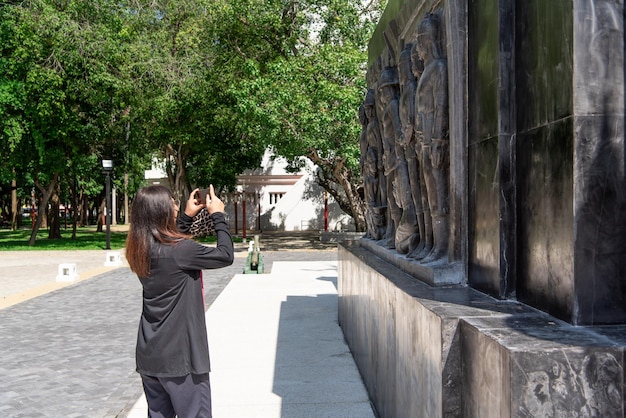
[[172, 350]]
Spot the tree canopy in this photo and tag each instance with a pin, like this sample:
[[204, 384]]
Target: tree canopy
[[296, 73], [205, 85]]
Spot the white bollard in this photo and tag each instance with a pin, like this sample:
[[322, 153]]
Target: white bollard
[[67, 273], [113, 259]]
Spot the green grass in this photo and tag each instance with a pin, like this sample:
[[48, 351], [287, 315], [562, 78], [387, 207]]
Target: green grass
[[86, 239]]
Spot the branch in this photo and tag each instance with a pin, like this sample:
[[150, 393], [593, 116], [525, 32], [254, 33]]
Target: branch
[[238, 50], [290, 125], [56, 65]]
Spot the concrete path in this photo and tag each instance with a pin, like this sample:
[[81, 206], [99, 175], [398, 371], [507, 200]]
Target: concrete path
[[67, 349], [277, 349], [27, 274]]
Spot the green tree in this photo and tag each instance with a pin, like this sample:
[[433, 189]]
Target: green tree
[[183, 114], [206, 85], [62, 59], [296, 72]]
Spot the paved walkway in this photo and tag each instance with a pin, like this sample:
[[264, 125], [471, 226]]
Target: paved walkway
[[67, 350]]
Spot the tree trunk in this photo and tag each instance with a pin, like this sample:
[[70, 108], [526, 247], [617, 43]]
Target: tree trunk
[[20, 220], [334, 176], [176, 171], [84, 209], [43, 208], [13, 202], [54, 221], [76, 206], [47, 192], [101, 220], [126, 210]]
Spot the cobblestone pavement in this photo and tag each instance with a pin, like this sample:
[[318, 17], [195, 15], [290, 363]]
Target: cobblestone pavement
[[70, 352]]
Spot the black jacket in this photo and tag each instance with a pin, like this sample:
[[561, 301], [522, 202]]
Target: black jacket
[[172, 338]]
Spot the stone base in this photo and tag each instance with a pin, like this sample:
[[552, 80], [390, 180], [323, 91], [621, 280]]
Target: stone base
[[428, 351], [439, 273], [338, 236]]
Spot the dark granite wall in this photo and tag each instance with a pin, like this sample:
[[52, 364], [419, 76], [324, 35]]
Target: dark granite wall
[[524, 131], [434, 352], [483, 69], [547, 184], [538, 173], [537, 152], [600, 221], [545, 247], [544, 78], [544, 62], [483, 216], [599, 156]]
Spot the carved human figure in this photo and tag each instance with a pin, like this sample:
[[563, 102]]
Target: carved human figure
[[369, 168], [387, 85], [375, 230], [380, 222], [422, 208], [403, 234], [363, 148], [408, 86], [372, 169], [432, 109], [363, 136]]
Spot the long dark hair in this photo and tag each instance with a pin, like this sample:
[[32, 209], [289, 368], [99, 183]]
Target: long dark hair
[[153, 219]]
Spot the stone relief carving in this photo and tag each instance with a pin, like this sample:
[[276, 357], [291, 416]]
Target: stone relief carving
[[432, 110], [413, 185], [387, 88], [411, 190], [372, 169], [402, 233]]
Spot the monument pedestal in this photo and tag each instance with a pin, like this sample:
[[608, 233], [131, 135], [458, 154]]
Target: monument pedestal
[[427, 351], [438, 273]]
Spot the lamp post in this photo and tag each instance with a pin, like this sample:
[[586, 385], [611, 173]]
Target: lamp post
[[107, 166]]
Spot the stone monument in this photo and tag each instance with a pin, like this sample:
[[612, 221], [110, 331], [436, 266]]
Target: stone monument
[[492, 279]]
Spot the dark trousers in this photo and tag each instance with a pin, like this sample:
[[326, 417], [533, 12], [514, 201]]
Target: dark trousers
[[185, 397]]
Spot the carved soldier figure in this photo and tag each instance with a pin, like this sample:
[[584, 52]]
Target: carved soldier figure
[[363, 149], [387, 85], [375, 230], [403, 234], [432, 110], [371, 167], [408, 86], [423, 208], [363, 137]]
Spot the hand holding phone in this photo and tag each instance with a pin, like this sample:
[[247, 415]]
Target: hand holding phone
[[214, 204], [202, 194]]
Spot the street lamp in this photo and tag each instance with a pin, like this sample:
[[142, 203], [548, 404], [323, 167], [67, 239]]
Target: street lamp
[[107, 166]]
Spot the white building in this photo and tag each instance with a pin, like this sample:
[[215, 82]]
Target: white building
[[275, 200]]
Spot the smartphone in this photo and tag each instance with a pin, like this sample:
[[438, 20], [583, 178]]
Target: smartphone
[[202, 194]]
